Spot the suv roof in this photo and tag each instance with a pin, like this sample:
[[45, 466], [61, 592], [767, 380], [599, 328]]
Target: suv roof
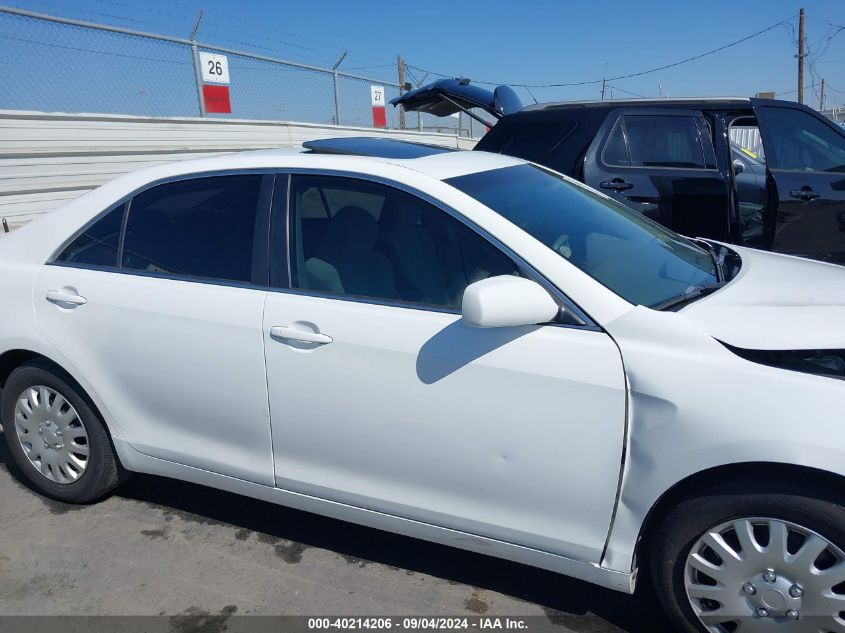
[[447, 96], [643, 103]]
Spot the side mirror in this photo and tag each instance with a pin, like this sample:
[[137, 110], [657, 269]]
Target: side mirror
[[507, 301], [739, 167]]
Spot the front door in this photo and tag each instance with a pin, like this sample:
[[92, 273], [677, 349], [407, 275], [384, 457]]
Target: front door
[[805, 156], [382, 398], [661, 162], [163, 318]]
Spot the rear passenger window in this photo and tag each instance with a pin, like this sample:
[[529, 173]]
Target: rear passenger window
[[655, 141], [379, 242], [615, 153], [203, 227], [97, 245]]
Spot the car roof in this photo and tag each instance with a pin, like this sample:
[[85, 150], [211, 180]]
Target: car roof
[[427, 160], [375, 147]]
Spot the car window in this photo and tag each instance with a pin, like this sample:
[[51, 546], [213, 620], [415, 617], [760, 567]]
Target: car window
[[638, 259], [659, 141], [97, 245], [384, 243], [615, 153], [802, 142], [203, 227]]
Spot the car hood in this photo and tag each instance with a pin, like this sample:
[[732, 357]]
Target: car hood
[[776, 302], [448, 96]]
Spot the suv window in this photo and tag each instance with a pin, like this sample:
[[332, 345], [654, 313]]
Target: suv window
[[802, 142], [654, 141], [97, 245], [380, 242], [203, 227], [615, 153]]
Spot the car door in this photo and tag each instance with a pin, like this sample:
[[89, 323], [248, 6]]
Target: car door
[[805, 156], [382, 398], [661, 162], [158, 303]]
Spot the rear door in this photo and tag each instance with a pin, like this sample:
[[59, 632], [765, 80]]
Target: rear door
[[805, 156], [661, 162], [159, 305]]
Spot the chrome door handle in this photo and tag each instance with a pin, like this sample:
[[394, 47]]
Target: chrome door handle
[[293, 334], [65, 298], [804, 194]]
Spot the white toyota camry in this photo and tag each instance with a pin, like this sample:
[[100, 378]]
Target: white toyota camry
[[458, 346]]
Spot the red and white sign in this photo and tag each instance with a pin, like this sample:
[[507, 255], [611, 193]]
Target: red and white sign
[[377, 101], [215, 78], [216, 99]]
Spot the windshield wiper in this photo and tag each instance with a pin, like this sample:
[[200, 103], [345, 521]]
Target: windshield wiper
[[693, 292], [718, 258]]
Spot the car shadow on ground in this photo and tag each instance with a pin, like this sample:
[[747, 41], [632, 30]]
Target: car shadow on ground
[[562, 599]]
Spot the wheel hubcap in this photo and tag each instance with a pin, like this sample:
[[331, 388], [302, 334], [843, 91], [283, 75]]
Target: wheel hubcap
[[51, 434], [761, 574]]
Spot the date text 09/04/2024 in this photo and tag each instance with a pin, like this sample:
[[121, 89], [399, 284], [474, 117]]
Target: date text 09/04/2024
[[418, 623]]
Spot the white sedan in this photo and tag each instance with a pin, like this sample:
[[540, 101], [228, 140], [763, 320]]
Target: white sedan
[[458, 346]]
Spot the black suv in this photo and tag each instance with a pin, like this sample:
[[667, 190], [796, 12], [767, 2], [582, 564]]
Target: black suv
[[677, 160]]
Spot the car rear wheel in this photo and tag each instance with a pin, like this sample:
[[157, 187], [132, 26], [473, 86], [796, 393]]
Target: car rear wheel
[[54, 435], [737, 562]]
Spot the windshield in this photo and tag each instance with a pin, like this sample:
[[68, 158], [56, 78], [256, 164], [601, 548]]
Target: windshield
[[639, 260]]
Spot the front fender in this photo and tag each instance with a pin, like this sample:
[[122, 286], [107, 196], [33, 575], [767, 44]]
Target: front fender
[[694, 406]]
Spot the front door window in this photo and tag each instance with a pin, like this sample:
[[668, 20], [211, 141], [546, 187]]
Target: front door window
[[363, 239]]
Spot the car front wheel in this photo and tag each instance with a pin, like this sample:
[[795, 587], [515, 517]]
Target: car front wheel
[[54, 435], [737, 562]]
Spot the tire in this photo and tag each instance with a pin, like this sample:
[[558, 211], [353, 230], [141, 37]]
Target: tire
[[764, 507], [72, 476]]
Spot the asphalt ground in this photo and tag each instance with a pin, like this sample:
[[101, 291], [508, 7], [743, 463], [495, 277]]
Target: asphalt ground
[[198, 560]]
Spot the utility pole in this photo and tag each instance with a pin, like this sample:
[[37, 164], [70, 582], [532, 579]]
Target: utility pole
[[821, 97], [602, 89], [800, 56], [400, 63]]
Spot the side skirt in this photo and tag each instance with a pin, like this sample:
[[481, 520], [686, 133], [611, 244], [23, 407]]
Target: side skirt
[[590, 572]]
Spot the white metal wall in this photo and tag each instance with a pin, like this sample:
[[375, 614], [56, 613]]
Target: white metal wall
[[47, 159]]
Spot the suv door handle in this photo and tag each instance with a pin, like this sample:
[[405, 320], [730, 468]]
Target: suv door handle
[[66, 298], [804, 194], [293, 334], [617, 184]]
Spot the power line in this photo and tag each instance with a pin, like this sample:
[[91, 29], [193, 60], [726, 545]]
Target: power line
[[136, 6], [627, 92], [102, 14], [631, 75]]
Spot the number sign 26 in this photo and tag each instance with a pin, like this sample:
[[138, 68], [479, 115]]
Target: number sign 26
[[215, 68]]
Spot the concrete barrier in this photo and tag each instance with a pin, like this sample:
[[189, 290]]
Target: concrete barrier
[[47, 159]]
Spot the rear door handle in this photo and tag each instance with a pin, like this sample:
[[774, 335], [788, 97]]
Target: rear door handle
[[65, 298], [293, 334], [616, 184], [804, 194]]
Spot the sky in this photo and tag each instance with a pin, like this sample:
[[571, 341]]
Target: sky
[[533, 42]]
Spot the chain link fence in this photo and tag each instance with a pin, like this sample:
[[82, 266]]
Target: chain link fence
[[62, 65]]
